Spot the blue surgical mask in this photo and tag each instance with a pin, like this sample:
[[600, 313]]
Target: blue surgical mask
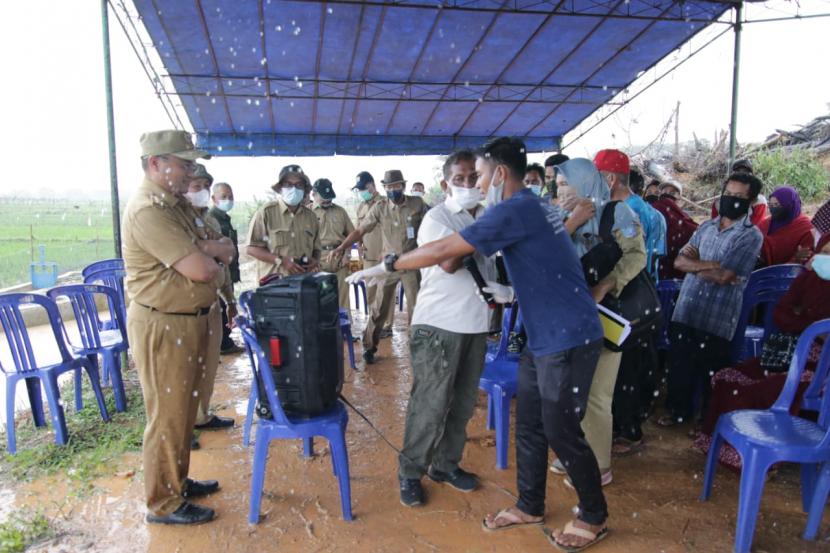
[[821, 265], [292, 196], [225, 205], [536, 189], [365, 195], [395, 195], [495, 193]]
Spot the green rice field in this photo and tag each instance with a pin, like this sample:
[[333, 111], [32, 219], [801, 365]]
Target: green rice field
[[74, 234]]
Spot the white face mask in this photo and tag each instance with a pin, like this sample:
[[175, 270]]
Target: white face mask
[[495, 193], [467, 198], [225, 205], [199, 199], [292, 196], [417, 194]]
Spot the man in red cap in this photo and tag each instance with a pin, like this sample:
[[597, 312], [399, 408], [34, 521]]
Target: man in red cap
[[636, 378]]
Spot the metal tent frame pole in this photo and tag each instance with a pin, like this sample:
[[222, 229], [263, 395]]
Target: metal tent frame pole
[[116, 209], [736, 68]]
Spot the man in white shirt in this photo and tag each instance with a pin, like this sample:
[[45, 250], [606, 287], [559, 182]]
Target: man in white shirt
[[447, 345]]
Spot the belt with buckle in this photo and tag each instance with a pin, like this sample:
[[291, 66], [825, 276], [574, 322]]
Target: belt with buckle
[[328, 248], [199, 313]]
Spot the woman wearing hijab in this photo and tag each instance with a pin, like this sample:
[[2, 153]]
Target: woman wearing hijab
[[789, 229], [585, 193], [750, 385]]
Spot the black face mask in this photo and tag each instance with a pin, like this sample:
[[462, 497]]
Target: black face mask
[[778, 213], [733, 207], [651, 198]]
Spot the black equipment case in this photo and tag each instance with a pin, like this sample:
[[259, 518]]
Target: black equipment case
[[297, 323]]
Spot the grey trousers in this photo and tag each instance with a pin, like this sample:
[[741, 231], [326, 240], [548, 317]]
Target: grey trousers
[[446, 367]]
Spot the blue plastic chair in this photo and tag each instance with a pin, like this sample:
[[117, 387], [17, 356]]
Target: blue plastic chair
[[104, 264], [766, 437], [331, 425], [253, 394], [508, 325], [346, 330], [114, 278], [499, 380], [359, 289], [667, 290], [763, 290], [27, 368], [94, 341]]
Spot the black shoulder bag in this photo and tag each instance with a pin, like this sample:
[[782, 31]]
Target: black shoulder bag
[[638, 302]]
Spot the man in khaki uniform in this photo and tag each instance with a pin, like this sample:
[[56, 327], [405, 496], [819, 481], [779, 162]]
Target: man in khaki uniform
[[372, 243], [172, 279], [284, 236], [335, 225], [198, 194], [399, 217]]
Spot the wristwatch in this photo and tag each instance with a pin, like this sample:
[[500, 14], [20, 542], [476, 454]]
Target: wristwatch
[[389, 262]]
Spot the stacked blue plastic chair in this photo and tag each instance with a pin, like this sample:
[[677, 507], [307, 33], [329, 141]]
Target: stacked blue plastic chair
[[667, 291], [763, 290], [346, 330], [330, 425], [500, 380], [27, 367], [114, 278], [103, 265], [766, 437], [94, 341]]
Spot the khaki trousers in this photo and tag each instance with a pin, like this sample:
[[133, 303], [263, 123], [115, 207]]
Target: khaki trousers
[[210, 359], [598, 422], [166, 349], [386, 300], [371, 298]]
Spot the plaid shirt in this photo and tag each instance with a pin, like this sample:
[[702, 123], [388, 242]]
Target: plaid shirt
[[710, 307]]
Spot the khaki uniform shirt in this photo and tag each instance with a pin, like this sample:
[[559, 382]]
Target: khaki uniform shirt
[[158, 230], [282, 233], [372, 241], [398, 224], [335, 225]]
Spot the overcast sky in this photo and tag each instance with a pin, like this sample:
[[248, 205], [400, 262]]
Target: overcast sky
[[54, 117]]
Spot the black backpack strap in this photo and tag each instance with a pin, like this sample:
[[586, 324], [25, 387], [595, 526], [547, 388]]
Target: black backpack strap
[[606, 222]]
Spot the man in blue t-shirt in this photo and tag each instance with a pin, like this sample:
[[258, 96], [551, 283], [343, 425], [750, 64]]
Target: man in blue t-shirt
[[563, 329]]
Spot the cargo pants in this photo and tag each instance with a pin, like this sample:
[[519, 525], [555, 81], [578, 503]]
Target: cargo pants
[[446, 367]]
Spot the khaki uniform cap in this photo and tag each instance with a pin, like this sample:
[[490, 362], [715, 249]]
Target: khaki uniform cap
[[170, 142]]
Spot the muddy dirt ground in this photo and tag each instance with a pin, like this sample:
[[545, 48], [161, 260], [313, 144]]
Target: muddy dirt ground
[[653, 500]]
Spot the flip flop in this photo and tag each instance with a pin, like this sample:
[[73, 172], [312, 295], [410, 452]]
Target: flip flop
[[572, 530], [515, 522], [666, 421], [624, 446]]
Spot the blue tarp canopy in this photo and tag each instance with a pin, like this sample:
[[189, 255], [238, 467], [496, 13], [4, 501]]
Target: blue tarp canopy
[[304, 77]]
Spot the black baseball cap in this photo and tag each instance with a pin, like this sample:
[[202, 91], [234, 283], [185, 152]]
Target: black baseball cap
[[324, 188], [744, 164], [363, 178]]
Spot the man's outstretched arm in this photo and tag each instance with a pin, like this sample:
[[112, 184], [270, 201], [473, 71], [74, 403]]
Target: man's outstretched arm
[[434, 253]]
